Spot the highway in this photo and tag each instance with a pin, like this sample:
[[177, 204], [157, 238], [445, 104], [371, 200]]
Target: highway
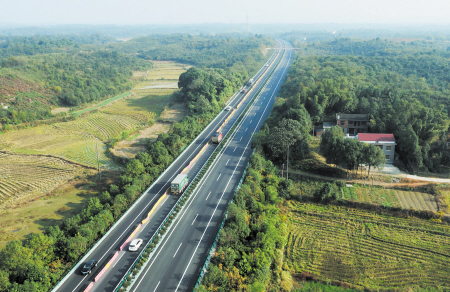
[[110, 243], [179, 258]]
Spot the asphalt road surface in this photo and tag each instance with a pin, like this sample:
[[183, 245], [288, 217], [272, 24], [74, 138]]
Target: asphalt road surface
[[177, 262], [111, 242]]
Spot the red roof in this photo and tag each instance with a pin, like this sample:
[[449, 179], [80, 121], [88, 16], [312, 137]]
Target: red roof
[[375, 137]]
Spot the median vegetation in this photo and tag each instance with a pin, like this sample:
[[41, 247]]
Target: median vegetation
[[50, 255]]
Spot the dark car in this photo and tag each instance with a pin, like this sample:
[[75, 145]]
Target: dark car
[[87, 268]]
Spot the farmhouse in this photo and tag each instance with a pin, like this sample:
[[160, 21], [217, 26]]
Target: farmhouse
[[353, 124], [322, 128], [385, 141]]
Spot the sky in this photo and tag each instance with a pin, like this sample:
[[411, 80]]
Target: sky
[[131, 12]]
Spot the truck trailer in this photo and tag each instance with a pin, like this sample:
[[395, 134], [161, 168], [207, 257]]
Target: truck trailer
[[178, 185]]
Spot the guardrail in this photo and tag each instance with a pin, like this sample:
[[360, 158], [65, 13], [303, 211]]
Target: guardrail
[[193, 183], [208, 258]]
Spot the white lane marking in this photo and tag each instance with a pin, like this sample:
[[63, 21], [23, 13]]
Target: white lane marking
[[208, 196], [185, 210], [204, 232], [177, 249], [240, 139], [246, 129], [80, 283], [251, 121], [117, 260], [227, 162], [156, 286], [194, 219], [234, 149], [219, 176]]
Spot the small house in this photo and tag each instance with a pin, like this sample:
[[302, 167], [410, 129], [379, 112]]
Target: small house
[[353, 124], [385, 141]]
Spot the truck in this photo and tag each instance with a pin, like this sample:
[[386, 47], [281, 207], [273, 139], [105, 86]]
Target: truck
[[250, 82], [217, 137], [178, 185]]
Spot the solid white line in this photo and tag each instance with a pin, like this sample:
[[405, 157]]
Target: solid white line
[[209, 172], [194, 219], [177, 249], [208, 196], [117, 260], [204, 232], [227, 162], [219, 176], [80, 283], [156, 286]]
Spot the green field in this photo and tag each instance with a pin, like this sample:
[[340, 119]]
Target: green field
[[366, 249]]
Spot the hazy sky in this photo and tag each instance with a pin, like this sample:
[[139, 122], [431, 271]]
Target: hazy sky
[[223, 11]]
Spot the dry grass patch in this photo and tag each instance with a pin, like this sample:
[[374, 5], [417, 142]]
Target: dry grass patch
[[26, 177]]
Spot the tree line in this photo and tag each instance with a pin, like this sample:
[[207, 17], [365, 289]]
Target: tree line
[[405, 95], [39, 262], [90, 69]]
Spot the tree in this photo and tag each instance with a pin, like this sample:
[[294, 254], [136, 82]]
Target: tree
[[408, 144], [135, 168], [331, 144], [373, 156]]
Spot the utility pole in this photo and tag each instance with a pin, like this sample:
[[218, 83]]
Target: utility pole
[[282, 169], [98, 162]]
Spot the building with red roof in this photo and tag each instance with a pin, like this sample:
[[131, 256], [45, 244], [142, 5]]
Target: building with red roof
[[385, 141]]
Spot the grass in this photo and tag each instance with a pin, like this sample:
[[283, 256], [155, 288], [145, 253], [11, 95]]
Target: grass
[[365, 249], [103, 103], [77, 140], [24, 177], [62, 203]]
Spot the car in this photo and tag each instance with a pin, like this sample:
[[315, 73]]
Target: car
[[228, 108], [135, 244], [87, 268]]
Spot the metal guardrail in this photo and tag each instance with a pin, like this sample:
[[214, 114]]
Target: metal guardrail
[[208, 258], [199, 175]]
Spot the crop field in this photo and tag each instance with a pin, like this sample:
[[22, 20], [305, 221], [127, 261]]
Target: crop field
[[365, 249], [23, 176], [384, 196], [391, 197]]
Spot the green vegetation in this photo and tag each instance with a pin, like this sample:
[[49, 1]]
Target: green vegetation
[[349, 152], [367, 250], [249, 256], [36, 73], [403, 88], [48, 256]]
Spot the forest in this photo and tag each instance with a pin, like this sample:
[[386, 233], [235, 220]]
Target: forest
[[43, 71], [405, 92], [51, 254]]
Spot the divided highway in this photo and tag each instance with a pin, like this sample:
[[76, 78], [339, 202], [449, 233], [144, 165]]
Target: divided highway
[[116, 236], [177, 262]]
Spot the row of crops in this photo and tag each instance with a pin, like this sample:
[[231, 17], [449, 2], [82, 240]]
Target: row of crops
[[391, 197], [25, 175], [367, 249]]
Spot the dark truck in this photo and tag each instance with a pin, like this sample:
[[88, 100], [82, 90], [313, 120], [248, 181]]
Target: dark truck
[[217, 137], [178, 185]]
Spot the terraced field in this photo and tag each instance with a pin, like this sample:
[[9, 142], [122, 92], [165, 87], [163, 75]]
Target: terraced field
[[366, 249], [23, 176]]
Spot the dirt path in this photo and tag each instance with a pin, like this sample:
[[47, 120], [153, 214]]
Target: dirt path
[[360, 181]]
